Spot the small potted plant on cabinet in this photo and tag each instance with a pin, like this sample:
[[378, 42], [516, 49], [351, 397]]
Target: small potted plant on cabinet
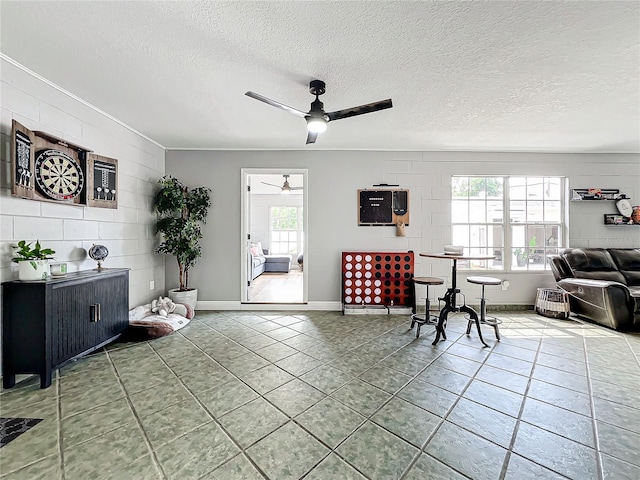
[[181, 212], [33, 262]]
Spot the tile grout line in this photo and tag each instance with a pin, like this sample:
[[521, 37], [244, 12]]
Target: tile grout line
[[443, 419], [332, 450], [633, 352], [592, 407], [370, 416], [156, 461], [430, 437], [394, 396], [59, 419], [214, 419], [292, 419], [514, 435], [554, 405], [194, 396]]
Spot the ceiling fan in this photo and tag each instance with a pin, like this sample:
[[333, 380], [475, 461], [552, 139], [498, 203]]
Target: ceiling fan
[[317, 118], [285, 188]]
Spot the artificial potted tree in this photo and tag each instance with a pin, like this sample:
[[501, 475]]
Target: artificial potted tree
[[181, 213], [33, 262]]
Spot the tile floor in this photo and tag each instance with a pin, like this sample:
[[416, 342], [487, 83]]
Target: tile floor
[[319, 396]]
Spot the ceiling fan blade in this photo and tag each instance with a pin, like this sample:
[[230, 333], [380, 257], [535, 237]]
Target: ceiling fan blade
[[297, 188], [361, 110], [311, 137], [273, 103], [272, 185]]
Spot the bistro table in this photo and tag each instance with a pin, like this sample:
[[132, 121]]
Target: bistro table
[[450, 295]]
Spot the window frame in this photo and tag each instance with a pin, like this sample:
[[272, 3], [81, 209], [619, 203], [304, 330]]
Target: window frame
[[507, 224], [299, 242]]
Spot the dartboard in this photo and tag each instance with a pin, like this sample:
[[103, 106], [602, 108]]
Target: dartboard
[[58, 175]]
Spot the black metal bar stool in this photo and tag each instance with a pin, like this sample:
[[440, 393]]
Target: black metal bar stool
[[428, 319], [484, 318]]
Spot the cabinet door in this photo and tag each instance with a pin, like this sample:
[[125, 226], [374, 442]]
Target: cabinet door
[[86, 314], [112, 296], [72, 329]]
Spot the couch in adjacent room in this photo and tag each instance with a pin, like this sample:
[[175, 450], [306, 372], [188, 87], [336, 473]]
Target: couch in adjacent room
[[603, 284], [260, 261]]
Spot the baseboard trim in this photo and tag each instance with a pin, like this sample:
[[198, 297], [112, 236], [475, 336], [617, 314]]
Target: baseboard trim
[[234, 305], [330, 306]]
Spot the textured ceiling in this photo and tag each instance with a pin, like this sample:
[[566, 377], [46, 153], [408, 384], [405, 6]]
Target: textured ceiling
[[480, 76]]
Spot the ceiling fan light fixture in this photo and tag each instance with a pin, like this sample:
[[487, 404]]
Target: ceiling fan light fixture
[[316, 124], [316, 117]]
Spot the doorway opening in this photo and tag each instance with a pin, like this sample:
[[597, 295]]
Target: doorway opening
[[274, 236]]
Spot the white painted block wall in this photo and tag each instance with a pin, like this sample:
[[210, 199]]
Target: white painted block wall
[[70, 230]]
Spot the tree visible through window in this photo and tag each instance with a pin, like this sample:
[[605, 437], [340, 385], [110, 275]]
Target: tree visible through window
[[286, 232], [519, 220]]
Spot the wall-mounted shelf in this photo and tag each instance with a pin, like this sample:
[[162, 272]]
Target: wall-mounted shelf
[[589, 194], [617, 220]]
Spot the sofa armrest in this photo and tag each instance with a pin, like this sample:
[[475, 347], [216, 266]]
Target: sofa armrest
[[602, 301], [559, 267]]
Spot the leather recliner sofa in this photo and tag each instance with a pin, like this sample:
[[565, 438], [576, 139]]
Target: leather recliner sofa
[[603, 284]]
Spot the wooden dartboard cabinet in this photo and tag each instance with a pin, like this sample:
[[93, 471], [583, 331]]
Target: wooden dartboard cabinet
[[47, 168]]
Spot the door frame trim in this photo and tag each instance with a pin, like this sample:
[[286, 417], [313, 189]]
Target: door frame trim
[[245, 225]]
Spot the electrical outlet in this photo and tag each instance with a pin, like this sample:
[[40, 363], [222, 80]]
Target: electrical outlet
[[152, 285], [505, 284]]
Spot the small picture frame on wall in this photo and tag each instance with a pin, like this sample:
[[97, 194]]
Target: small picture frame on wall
[[102, 188]]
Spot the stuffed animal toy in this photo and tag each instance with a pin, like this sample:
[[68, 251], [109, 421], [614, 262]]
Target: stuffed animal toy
[[163, 306]]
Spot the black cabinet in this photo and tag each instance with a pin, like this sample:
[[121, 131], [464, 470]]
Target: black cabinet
[[49, 322]]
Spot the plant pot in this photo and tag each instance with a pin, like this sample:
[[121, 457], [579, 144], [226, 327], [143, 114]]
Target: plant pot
[[188, 297], [33, 270], [521, 261]]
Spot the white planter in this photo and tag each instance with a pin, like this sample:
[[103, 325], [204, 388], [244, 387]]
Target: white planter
[[33, 269], [190, 297]]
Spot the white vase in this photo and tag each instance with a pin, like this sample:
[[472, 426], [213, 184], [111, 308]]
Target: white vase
[[188, 297], [33, 270]]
